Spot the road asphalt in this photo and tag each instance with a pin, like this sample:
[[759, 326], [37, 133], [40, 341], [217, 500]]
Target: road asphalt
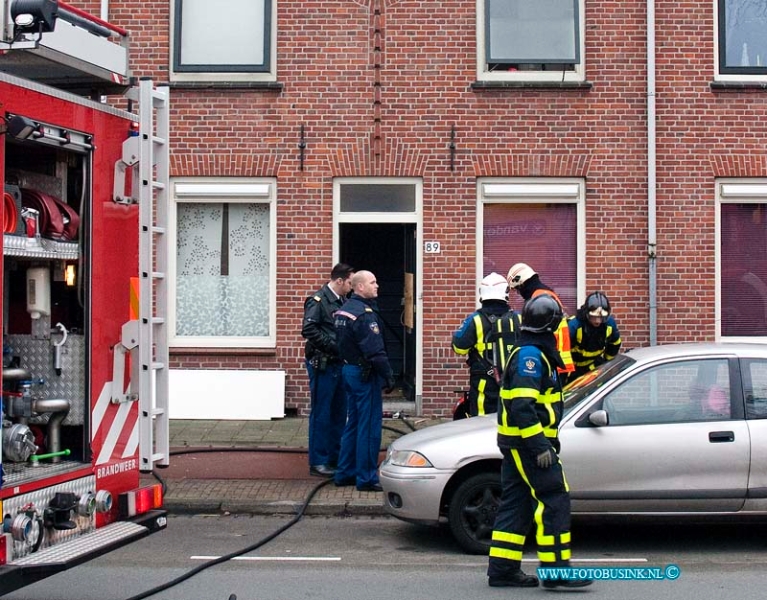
[[259, 467]]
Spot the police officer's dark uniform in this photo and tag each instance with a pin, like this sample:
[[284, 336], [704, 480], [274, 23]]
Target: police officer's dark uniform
[[366, 371], [327, 416], [534, 488]]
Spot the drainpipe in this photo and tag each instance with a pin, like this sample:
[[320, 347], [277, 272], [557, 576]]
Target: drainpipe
[[104, 13], [651, 175]]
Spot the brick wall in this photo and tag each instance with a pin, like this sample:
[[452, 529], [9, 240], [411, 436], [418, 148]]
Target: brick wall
[[378, 84]]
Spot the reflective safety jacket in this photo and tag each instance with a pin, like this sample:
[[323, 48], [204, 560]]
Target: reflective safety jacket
[[486, 337], [592, 346], [531, 402]]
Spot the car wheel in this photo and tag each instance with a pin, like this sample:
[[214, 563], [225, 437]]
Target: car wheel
[[471, 514]]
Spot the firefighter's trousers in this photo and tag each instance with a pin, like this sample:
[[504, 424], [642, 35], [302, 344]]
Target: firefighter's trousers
[[530, 496], [328, 414], [361, 442], [483, 394]]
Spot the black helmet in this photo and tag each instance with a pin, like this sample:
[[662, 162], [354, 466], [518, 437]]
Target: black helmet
[[541, 313], [597, 305]]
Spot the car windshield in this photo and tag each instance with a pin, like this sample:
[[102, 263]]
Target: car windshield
[[576, 391]]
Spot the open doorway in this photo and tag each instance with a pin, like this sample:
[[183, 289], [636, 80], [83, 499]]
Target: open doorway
[[388, 250]]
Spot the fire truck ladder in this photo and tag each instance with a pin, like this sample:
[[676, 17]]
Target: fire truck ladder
[[154, 176]]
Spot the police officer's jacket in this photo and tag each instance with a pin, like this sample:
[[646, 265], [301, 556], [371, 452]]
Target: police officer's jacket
[[486, 336], [360, 339], [531, 396], [591, 346], [318, 326]]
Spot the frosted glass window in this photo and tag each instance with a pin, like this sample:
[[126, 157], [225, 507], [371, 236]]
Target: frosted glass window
[[223, 285], [365, 197], [226, 35]]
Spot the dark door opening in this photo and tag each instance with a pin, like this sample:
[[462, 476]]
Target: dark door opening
[[388, 251]]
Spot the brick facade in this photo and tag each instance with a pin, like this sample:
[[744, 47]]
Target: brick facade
[[378, 85]]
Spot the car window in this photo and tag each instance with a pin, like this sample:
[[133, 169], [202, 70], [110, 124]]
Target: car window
[[690, 390], [755, 384], [581, 388]]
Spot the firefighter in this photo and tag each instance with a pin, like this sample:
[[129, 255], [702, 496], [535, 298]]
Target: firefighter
[[528, 284], [327, 415], [534, 488], [366, 370], [594, 335], [485, 338]]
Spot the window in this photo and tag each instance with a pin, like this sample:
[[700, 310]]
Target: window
[[755, 386], [223, 267], [538, 40], [226, 40], [742, 260], [521, 218], [694, 390], [742, 28]]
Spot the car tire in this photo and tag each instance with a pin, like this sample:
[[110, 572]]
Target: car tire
[[471, 513]]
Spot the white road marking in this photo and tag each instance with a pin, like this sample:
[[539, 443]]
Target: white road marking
[[275, 558]]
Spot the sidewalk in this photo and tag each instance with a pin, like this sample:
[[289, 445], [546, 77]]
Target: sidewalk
[[259, 467]]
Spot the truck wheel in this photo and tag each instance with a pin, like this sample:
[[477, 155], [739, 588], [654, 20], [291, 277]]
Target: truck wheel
[[471, 514]]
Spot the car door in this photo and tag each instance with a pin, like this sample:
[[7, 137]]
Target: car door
[[755, 387], [676, 442]]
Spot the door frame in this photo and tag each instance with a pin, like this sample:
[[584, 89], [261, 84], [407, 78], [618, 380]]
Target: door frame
[[415, 217]]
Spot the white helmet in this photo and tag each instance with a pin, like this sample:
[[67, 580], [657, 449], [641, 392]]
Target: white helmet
[[518, 274], [493, 287]]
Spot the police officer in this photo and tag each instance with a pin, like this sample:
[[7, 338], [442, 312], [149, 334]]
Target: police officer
[[528, 284], [323, 364], [533, 482], [594, 335], [366, 370], [485, 338]]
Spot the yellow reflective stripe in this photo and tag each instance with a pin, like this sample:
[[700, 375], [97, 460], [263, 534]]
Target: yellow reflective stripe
[[545, 540], [564, 538], [459, 350], [519, 393], [507, 554], [510, 538], [549, 432], [531, 431], [478, 327], [481, 396], [547, 557]]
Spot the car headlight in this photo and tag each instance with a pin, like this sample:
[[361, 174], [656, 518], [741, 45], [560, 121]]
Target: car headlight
[[408, 458]]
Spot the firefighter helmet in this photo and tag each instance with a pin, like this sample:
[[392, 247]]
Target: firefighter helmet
[[493, 287], [597, 305], [518, 274], [541, 313]]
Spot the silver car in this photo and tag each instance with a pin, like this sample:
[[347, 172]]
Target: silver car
[[668, 430]]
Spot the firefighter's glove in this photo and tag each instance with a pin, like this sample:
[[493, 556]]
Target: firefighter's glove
[[388, 387], [546, 459]]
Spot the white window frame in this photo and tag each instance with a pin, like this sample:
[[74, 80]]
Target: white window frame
[[578, 74], [186, 190], [733, 191], [734, 77], [415, 216], [524, 190], [221, 76]]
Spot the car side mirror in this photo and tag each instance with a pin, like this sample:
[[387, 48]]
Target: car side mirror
[[599, 418]]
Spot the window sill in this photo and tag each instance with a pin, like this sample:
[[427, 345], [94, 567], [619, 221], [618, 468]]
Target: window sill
[[178, 351], [263, 86], [738, 86], [480, 86]]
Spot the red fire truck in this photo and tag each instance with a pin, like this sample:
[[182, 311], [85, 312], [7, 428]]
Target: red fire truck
[[84, 371]]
